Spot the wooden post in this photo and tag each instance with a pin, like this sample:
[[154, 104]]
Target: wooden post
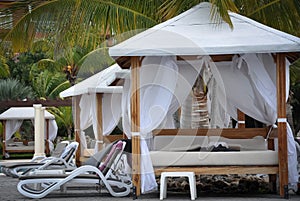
[[47, 137], [99, 122], [281, 114], [4, 138], [135, 122], [241, 119], [76, 117]]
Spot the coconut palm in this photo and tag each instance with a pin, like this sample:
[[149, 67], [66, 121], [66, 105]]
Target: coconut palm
[[81, 22], [48, 85], [64, 118]]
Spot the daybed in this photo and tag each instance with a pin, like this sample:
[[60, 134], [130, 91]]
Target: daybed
[[12, 120], [191, 150]]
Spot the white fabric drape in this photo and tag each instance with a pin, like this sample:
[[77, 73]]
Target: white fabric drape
[[111, 113], [250, 86], [11, 126], [164, 86], [52, 133]]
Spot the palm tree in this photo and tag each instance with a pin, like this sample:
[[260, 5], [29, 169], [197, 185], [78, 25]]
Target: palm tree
[[64, 118], [48, 85], [81, 22]]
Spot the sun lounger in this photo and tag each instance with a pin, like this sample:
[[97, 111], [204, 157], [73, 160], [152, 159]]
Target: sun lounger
[[65, 160], [103, 174]]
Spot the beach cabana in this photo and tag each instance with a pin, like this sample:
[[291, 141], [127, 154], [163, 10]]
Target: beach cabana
[[12, 120], [165, 60], [97, 103]]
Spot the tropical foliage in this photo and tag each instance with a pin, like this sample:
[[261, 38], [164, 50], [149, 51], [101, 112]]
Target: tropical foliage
[[12, 89], [71, 36]]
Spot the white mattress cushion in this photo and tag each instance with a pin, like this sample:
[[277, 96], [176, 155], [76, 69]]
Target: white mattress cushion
[[171, 158]]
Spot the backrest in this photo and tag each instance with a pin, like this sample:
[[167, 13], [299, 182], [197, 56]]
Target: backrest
[[96, 159], [70, 151], [59, 149], [179, 143], [112, 157]]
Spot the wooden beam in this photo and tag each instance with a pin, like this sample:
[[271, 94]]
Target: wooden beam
[[241, 119], [47, 137], [125, 61], [135, 122], [99, 122], [29, 103], [214, 58], [281, 114], [208, 170], [4, 137], [76, 112], [232, 133]]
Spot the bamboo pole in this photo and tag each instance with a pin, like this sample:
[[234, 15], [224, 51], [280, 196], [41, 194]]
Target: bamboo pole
[[135, 123], [99, 122], [282, 134]]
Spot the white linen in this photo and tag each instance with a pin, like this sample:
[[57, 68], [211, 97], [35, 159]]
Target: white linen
[[250, 88], [111, 113], [11, 126], [164, 86]]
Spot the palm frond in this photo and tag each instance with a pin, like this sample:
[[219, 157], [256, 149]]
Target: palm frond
[[78, 22]]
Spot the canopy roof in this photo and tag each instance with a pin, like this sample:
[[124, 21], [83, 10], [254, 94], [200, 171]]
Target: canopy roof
[[194, 33], [22, 113], [98, 83]]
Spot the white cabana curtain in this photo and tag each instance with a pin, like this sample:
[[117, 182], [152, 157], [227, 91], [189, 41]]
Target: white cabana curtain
[[250, 86], [52, 133], [11, 126], [164, 85], [111, 113]]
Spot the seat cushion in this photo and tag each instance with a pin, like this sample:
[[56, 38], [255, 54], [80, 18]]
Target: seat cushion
[[170, 158]]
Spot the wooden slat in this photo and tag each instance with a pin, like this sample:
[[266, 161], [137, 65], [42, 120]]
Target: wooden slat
[[207, 170], [135, 122], [112, 138], [241, 133], [281, 113], [99, 121]]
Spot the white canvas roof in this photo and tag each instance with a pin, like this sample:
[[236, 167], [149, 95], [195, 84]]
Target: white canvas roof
[[98, 83], [20, 113], [194, 33]]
